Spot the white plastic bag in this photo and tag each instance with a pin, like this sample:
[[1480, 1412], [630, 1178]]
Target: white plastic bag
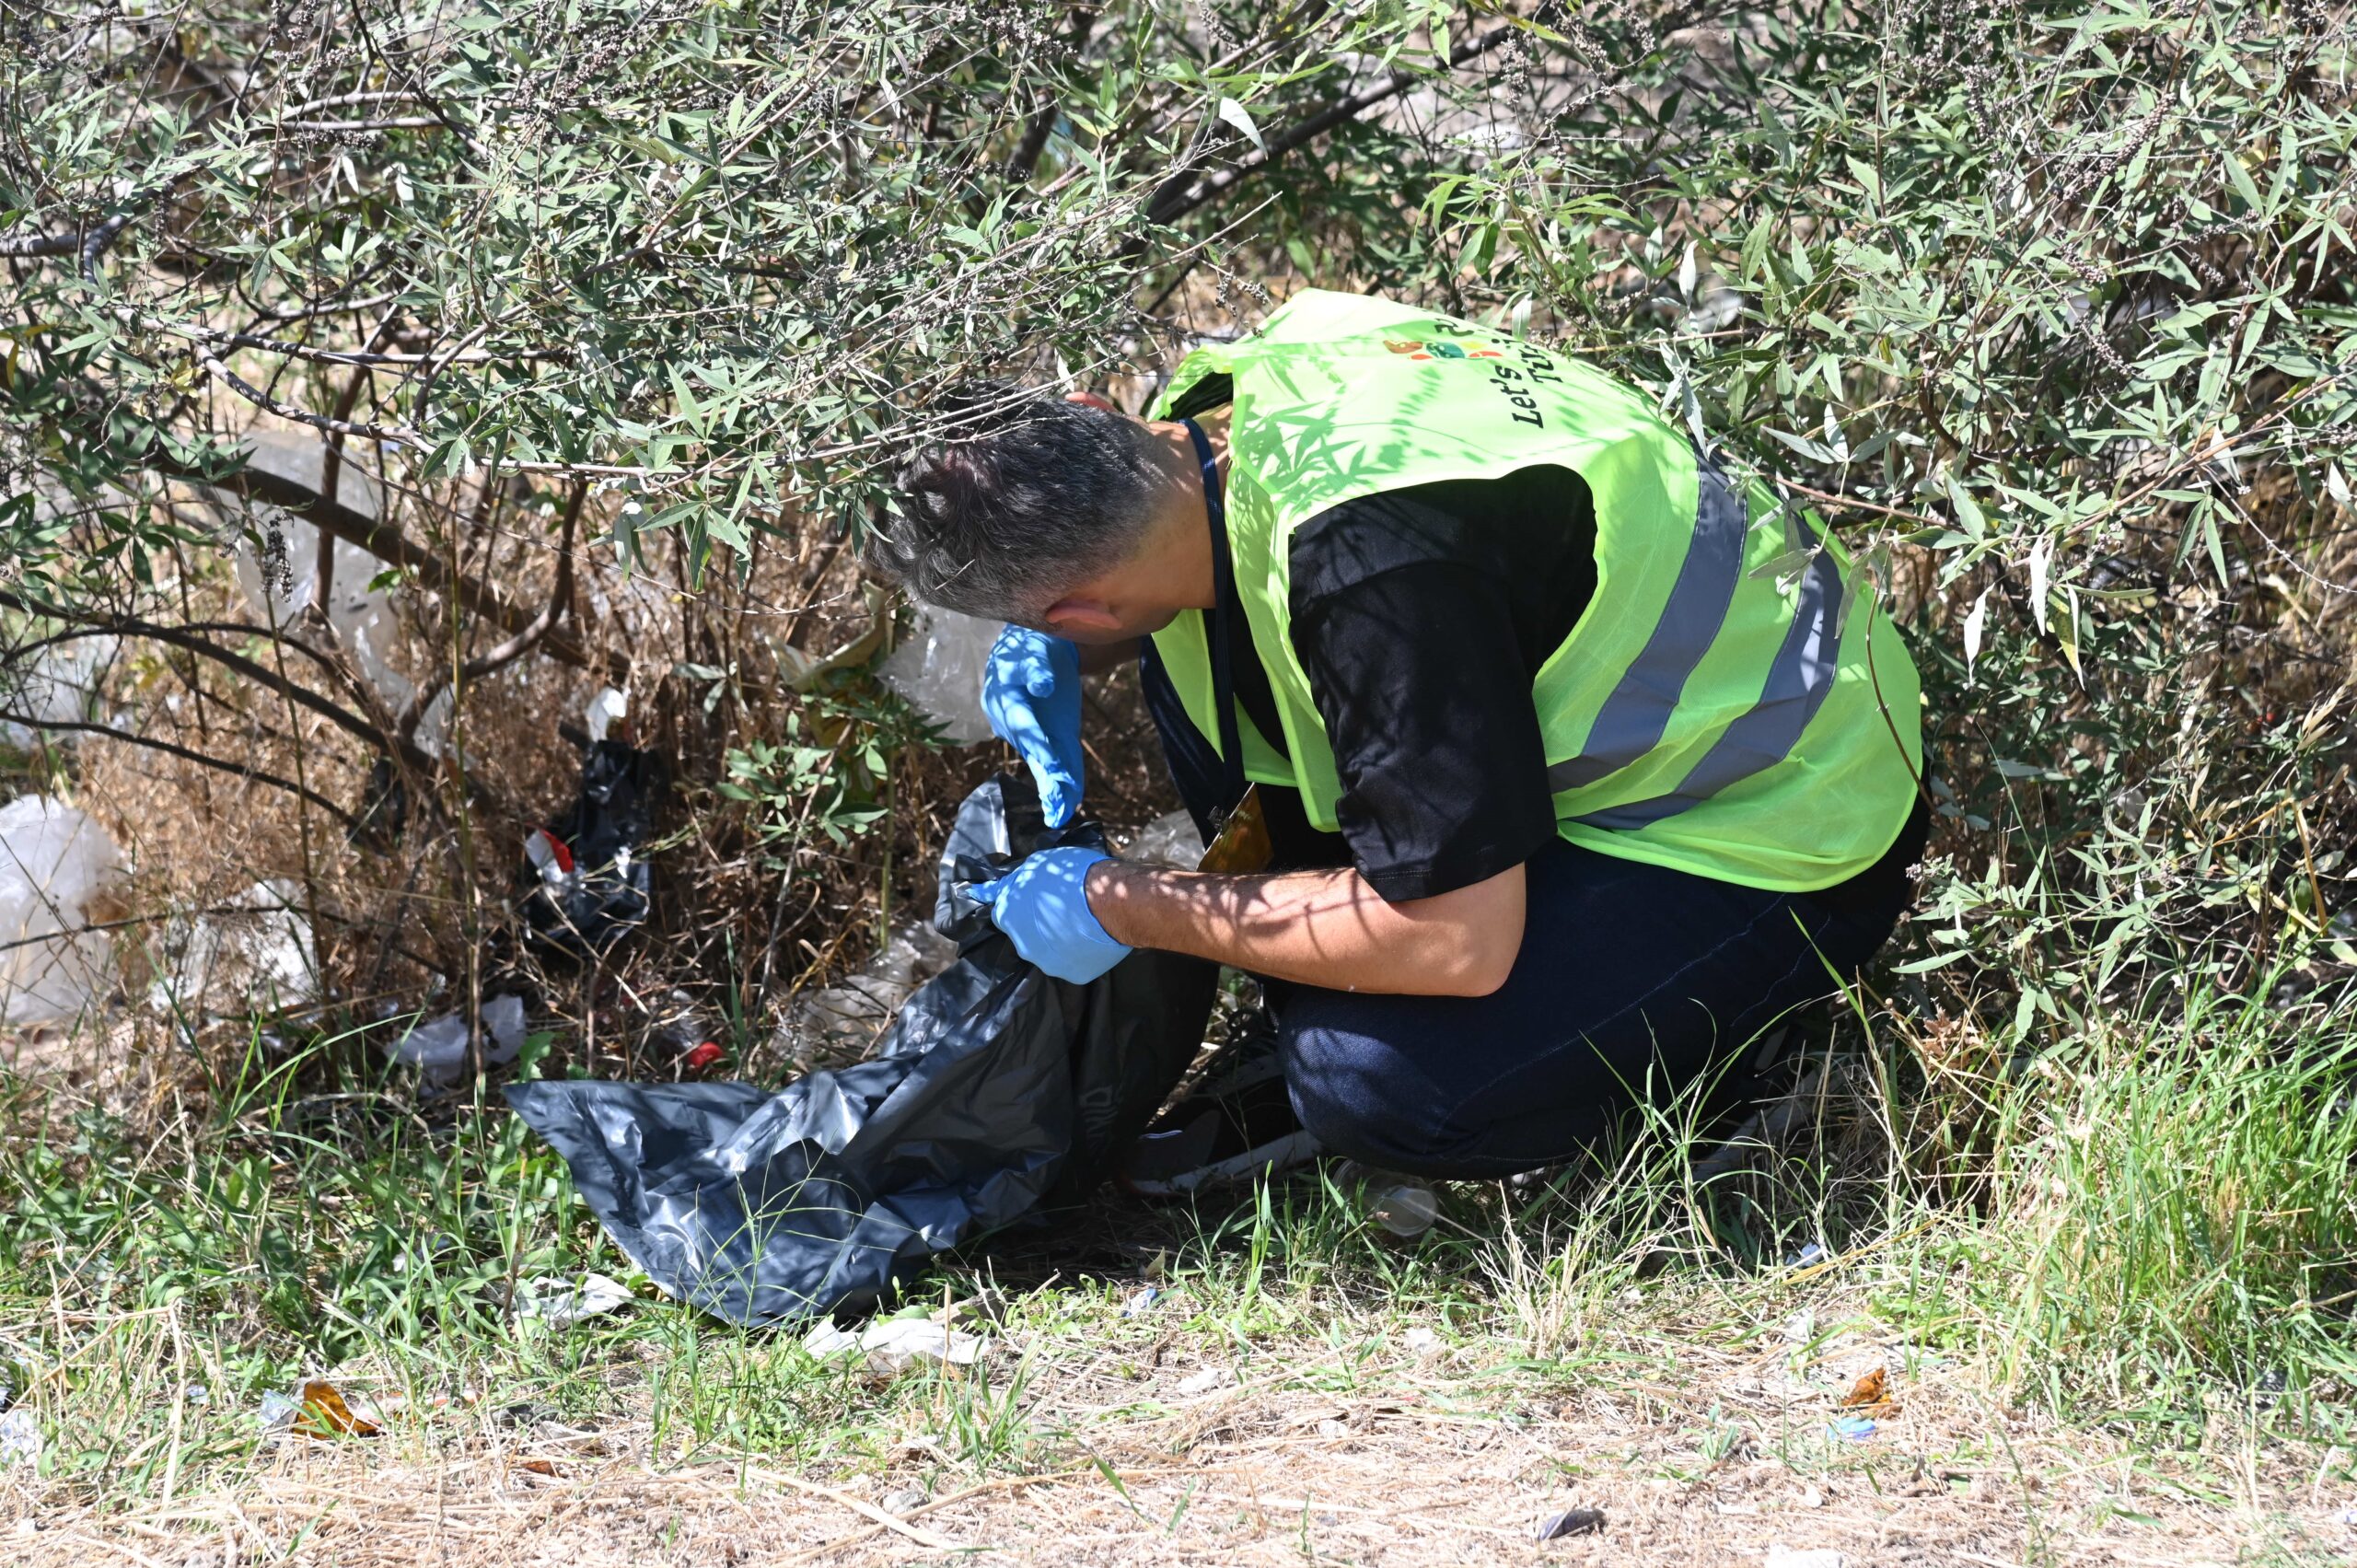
[[54, 862], [939, 670], [57, 684], [278, 560], [254, 949], [437, 1049]]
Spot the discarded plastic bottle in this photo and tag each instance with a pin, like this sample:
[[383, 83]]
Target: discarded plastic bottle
[[1403, 1205]]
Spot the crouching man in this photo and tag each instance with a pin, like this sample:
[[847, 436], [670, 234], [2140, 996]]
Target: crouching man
[[1583, 763]]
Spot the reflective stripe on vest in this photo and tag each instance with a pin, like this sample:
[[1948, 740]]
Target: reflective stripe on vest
[[1635, 716], [1631, 721]]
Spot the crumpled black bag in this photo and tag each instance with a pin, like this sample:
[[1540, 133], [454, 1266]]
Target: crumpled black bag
[[996, 1090], [609, 892]]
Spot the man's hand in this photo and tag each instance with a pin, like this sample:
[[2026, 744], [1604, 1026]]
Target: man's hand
[[1031, 693], [1043, 905]]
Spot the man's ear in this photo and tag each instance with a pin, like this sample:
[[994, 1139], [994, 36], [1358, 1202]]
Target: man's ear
[[1092, 399], [1081, 619]]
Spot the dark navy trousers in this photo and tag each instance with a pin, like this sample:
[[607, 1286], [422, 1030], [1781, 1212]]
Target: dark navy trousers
[[1634, 981]]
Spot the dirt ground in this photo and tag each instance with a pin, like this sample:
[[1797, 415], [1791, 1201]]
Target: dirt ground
[[1422, 1464]]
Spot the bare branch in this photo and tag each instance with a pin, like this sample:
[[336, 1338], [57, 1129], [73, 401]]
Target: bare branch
[[393, 434], [560, 597], [1180, 195], [243, 770], [387, 542]]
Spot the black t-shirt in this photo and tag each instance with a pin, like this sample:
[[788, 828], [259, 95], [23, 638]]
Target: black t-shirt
[[1421, 617]]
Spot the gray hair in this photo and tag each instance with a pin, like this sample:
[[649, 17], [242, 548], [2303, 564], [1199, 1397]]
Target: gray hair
[[1033, 497]]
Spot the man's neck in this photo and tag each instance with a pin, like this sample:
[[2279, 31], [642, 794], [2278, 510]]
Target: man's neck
[[1183, 518]]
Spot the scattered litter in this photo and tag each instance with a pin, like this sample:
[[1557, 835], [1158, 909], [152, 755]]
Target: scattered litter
[[1853, 1428], [256, 948], [1800, 1328], [1570, 1522], [679, 1022], [826, 1340], [325, 1413], [1813, 1253], [2346, 1518], [1422, 1341], [939, 670], [704, 1058], [59, 683], [1719, 306], [277, 561], [19, 1440], [437, 1049], [583, 886], [561, 1305], [1140, 1302], [58, 869], [502, 1018], [895, 1345], [607, 708], [1403, 1206], [843, 1019], [277, 1412], [906, 1501], [1203, 1382], [1811, 1497], [1170, 841], [1874, 1388], [1783, 1556], [196, 1395]]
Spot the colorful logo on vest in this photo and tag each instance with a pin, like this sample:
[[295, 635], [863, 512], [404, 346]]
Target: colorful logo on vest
[[1414, 349]]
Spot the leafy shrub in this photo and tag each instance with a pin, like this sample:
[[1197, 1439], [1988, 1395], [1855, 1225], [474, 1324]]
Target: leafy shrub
[[2045, 306]]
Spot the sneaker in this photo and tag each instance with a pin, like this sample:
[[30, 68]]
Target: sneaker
[[1236, 1124]]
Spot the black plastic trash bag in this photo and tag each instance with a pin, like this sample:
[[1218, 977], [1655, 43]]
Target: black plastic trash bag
[[583, 885], [995, 1091]]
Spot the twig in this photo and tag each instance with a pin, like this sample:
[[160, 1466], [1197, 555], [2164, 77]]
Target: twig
[[560, 597], [864, 1509], [245, 771], [127, 627], [1176, 199], [384, 540], [333, 127], [330, 355], [391, 435], [311, 312]]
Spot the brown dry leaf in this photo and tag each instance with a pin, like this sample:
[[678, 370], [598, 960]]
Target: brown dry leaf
[[537, 1467], [326, 1415], [1874, 1388]]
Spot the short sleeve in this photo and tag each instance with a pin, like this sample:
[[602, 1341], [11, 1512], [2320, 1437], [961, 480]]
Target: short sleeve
[[1426, 702]]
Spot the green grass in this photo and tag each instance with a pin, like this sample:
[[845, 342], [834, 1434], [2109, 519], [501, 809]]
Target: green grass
[[2150, 1231]]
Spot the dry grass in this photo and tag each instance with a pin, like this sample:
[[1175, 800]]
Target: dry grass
[[1702, 1447]]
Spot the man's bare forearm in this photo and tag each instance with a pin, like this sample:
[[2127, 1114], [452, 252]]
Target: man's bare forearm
[[1322, 928]]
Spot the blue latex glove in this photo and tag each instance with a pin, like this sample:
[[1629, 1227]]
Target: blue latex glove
[[1031, 693], [1043, 905]]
